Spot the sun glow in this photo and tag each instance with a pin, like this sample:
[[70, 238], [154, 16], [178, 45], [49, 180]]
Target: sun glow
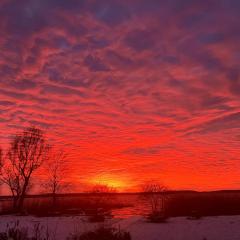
[[110, 181]]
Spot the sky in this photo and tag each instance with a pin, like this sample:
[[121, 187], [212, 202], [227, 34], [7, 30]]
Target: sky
[[133, 91]]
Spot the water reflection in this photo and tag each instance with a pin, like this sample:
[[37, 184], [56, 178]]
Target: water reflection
[[127, 205]]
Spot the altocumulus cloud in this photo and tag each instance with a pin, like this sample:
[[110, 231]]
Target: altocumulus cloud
[[130, 73]]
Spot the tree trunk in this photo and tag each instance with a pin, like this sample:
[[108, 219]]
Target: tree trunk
[[54, 198], [15, 203], [22, 196], [20, 203]]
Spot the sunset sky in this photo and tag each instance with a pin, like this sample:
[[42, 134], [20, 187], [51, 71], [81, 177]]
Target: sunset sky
[[133, 90]]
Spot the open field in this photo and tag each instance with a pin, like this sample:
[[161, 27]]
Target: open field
[[179, 228]]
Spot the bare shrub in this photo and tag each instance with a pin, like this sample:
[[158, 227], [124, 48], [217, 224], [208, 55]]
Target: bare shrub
[[15, 232], [155, 194], [102, 195], [102, 233]]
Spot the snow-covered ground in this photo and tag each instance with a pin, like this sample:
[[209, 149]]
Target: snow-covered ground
[[209, 228]]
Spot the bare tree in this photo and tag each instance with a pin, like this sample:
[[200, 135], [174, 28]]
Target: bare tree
[[25, 155], [102, 200], [1, 163], [154, 192], [56, 169], [102, 188], [1, 156]]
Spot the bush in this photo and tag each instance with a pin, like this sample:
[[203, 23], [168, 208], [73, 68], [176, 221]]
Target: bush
[[102, 233], [195, 215], [14, 232], [156, 217], [99, 215]]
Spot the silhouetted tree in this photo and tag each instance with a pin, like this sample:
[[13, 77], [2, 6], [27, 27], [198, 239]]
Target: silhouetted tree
[[1, 163], [155, 193], [102, 188], [1, 160], [101, 202], [25, 155], [56, 169], [1, 156]]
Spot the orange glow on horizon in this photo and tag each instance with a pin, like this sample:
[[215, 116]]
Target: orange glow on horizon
[[110, 181]]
